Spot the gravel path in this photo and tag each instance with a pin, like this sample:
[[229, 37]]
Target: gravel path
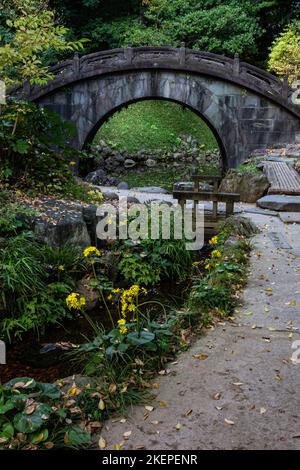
[[245, 395]]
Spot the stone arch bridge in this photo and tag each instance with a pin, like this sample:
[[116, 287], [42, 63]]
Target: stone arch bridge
[[246, 107]]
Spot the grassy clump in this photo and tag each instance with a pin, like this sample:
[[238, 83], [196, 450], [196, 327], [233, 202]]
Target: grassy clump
[[153, 125]]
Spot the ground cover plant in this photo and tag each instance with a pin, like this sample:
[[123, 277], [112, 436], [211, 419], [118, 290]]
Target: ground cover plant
[[141, 334]]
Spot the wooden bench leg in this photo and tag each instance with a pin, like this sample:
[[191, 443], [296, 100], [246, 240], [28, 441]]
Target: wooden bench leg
[[215, 209], [229, 208]]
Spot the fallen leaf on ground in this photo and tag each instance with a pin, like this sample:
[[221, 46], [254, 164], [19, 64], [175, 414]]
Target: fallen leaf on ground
[[73, 391], [127, 434], [101, 405], [102, 443], [155, 385], [178, 426], [112, 388], [201, 356], [217, 396], [228, 421], [149, 408]]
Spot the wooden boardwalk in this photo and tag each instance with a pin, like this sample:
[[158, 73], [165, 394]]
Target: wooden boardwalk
[[283, 178]]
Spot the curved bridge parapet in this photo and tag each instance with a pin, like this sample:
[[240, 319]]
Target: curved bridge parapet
[[167, 58]]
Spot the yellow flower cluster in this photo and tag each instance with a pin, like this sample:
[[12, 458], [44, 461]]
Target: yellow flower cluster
[[213, 240], [129, 299], [91, 250], [122, 326], [95, 195], [216, 254], [75, 301]]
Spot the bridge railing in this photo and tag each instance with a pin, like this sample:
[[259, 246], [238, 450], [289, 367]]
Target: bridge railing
[[164, 57]]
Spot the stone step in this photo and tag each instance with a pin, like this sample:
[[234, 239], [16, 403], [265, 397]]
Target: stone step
[[280, 203], [290, 217], [283, 178]]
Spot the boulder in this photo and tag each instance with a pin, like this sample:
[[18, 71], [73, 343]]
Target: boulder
[[110, 195], [251, 187], [60, 222], [150, 163], [290, 217], [132, 200], [112, 181], [97, 177], [122, 185], [280, 203], [129, 163], [91, 294]]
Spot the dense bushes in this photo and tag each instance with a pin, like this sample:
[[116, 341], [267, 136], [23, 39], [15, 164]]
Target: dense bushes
[[34, 278], [35, 153]]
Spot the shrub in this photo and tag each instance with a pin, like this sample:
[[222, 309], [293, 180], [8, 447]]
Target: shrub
[[151, 261], [34, 281]]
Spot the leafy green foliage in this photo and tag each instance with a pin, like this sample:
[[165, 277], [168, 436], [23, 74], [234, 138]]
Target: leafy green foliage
[[33, 415], [34, 285], [215, 291], [28, 136], [151, 261], [223, 26], [284, 57], [30, 32], [14, 218]]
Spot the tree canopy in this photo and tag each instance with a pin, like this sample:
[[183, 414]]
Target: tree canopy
[[28, 31], [284, 58], [221, 26]]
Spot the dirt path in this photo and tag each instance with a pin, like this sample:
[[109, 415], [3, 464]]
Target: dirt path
[[248, 365]]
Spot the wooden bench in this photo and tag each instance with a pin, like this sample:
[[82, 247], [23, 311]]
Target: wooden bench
[[214, 196]]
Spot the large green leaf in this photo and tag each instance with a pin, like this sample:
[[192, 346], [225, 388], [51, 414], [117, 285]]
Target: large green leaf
[[6, 407], [31, 423], [7, 431], [49, 390], [77, 437], [142, 337]]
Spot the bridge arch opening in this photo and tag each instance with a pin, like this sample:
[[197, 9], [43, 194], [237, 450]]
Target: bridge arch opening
[[163, 138], [90, 138]]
